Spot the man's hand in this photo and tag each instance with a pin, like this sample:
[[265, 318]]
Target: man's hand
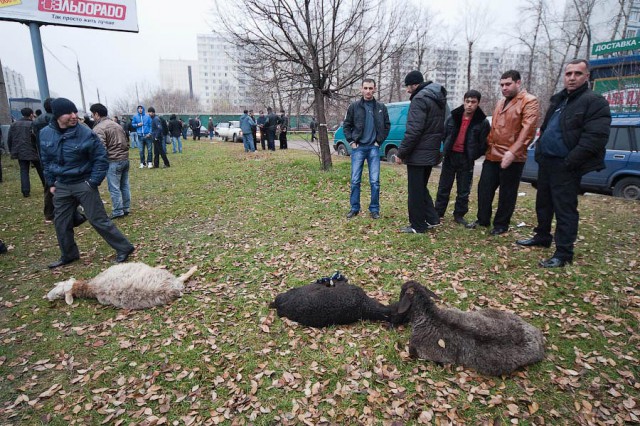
[[398, 160], [52, 189], [507, 159], [353, 145]]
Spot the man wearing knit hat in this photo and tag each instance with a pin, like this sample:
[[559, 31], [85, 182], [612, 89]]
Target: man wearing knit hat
[[420, 148], [75, 164]]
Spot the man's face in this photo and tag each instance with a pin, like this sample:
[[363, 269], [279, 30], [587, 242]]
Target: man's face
[[68, 120], [152, 114], [251, 113], [139, 110], [509, 87], [470, 105], [368, 89], [575, 75], [95, 116], [411, 88]]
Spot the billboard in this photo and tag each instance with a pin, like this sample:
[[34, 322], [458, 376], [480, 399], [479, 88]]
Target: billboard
[[114, 15], [623, 93]]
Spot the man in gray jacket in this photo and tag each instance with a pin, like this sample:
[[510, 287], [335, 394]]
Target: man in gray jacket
[[420, 148], [115, 141]]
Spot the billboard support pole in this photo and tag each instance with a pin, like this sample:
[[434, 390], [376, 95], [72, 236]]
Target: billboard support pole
[[38, 57]]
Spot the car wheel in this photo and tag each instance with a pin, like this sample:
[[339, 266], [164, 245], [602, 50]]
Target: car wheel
[[391, 155], [342, 150], [627, 188], [233, 138]]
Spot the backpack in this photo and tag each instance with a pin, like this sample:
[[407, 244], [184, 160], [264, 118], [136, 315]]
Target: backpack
[[165, 128]]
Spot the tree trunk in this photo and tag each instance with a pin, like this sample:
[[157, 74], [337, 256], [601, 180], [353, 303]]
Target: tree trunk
[[469, 65], [323, 134]]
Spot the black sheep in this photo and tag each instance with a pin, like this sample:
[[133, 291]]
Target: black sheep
[[330, 301]]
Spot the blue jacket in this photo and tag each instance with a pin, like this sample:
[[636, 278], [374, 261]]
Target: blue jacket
[[143, 118], [245, 124], [74, 156]]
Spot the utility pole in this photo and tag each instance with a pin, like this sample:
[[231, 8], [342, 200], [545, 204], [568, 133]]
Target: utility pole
[[84, 104]]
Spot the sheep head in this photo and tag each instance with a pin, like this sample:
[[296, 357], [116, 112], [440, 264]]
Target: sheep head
[[62, 290], [409, 291]]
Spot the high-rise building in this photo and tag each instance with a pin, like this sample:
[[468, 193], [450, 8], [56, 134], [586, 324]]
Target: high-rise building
[[14, 82]]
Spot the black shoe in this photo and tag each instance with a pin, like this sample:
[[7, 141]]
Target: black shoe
[[122, 257], [461, 220], [3, 247], [352, 213], [78, 218], [375, 215], [553, 262], [26, 194], [534, 242], [474, 225], [61, 262], [499, 231], [117, 217]]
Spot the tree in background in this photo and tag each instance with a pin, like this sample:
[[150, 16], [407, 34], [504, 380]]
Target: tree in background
[[324, 46]]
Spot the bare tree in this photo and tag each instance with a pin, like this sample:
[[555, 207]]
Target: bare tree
[[324, 46], [621, 18], [476, 20]]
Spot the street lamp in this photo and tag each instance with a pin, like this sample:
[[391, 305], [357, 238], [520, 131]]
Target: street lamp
[[84, 105]]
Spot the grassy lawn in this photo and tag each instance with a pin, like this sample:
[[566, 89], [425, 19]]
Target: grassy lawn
[[257, 225]]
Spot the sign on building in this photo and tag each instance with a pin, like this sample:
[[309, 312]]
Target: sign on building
[[115, 15], [622, 93], [615, 46]]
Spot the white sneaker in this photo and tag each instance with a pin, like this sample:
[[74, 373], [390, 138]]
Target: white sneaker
[[141, 165], [150, 165]]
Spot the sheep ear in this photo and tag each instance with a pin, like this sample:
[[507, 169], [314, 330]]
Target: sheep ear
[[432, 294], [68, 297], [404, 304]]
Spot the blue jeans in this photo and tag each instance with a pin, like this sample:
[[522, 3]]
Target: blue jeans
[[176, 142], [247, 140], [148, 142], [118, 181], [133, 137], [358, 156]]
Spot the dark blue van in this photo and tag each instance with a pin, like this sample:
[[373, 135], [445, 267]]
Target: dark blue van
[[389, 148], [621, 175]]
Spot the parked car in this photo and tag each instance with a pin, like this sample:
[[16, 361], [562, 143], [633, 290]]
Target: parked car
[[229, 130], [389, 148], [621, 175]]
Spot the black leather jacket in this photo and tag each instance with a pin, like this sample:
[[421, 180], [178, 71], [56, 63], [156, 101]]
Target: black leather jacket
[[353, 125]]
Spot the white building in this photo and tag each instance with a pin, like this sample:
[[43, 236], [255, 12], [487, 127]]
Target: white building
[[14, 82]]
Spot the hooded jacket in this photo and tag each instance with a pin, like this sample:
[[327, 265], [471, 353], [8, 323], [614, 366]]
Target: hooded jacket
[[73, 156], [585, 123], [143, 118], [475, 141], [513, 127], [175, 128], [113, 138], [425, 126]]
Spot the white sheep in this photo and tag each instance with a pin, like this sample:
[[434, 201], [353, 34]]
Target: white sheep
[[125, 285], [491, 341]]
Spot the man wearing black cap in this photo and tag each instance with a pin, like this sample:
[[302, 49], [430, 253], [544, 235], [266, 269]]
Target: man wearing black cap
[[420, 148], [75, 164]]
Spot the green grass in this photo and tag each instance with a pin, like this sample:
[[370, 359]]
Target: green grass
[[257, 225]]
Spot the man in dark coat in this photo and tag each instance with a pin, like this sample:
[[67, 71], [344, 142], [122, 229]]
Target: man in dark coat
[[420, 148], [366, 126], [465, 141], [270, 125], [572, 142], [75, 164], [283, 123], [22, 146]]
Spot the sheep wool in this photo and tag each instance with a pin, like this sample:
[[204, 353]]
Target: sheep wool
[[490, 341], [126, 285], [321, 305]]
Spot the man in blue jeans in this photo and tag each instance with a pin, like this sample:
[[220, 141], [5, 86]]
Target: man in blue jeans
[[115, 141], [141, 122], [365, 127]]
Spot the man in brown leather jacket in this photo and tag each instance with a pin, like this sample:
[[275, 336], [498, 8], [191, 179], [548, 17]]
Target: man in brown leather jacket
[[513, 127], [115, 141]]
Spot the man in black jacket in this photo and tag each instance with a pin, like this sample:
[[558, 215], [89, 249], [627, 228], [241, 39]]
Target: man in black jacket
[[366, 126], [420, 148], [22, 146], [572, 143], [465, 141]]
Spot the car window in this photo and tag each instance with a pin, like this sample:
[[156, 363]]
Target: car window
[[636, 131], [623, 140], [612, 137]]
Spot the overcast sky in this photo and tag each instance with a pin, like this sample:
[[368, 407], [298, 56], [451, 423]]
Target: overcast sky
[[115, 62]]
